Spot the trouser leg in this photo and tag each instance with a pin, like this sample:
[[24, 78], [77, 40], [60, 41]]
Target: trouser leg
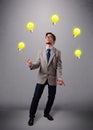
[[35, 100], [51, 97]]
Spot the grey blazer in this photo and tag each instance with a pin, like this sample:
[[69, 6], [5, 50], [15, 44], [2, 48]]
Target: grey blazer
[[51, 71]]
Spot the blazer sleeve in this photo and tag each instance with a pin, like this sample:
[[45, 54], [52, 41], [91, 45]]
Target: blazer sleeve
[[36, 64], [59, 66]]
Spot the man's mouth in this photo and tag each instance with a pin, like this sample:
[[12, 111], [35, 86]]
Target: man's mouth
[[48, 43]]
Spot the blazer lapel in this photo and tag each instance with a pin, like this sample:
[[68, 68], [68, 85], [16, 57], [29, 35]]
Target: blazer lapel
[[44, 56]]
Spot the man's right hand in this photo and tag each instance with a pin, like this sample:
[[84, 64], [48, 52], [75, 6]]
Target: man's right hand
[[29, 63]]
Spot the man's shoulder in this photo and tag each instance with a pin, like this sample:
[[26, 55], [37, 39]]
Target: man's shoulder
[[41, 50], [57, 50]]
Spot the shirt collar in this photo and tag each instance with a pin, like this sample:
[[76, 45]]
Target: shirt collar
[[49, 48]]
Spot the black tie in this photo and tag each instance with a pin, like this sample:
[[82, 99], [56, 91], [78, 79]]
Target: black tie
[[48, 54]]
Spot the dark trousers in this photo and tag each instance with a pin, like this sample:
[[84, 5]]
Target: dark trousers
[[37, 95]]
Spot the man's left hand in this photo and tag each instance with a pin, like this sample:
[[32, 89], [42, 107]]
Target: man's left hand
[[61, 82]]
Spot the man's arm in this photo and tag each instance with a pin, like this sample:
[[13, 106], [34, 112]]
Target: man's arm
[[59, 66], [59, 70]]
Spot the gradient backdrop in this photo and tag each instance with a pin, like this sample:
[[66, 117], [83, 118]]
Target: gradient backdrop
[[17, 82]]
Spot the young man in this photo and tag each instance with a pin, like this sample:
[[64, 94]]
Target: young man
[[50, 73]]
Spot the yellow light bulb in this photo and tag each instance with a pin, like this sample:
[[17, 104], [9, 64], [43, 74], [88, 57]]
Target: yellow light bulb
[[30, 26], [54, 18], [78, 53], [76, 32], [21, 46]]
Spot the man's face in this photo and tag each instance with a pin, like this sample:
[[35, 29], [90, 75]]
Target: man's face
[[49, 39]]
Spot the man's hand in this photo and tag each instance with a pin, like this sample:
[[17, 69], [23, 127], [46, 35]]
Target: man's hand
[[61, 82], [29, 63]]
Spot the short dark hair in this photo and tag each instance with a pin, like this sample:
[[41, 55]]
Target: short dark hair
[[54, 37]]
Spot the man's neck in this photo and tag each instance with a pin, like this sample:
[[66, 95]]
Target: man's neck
[[49, 46]]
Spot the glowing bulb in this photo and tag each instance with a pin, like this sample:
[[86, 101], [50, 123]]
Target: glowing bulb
[[30, 26], [21, 46], [54, 18], [76, 32], [78, 53]]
